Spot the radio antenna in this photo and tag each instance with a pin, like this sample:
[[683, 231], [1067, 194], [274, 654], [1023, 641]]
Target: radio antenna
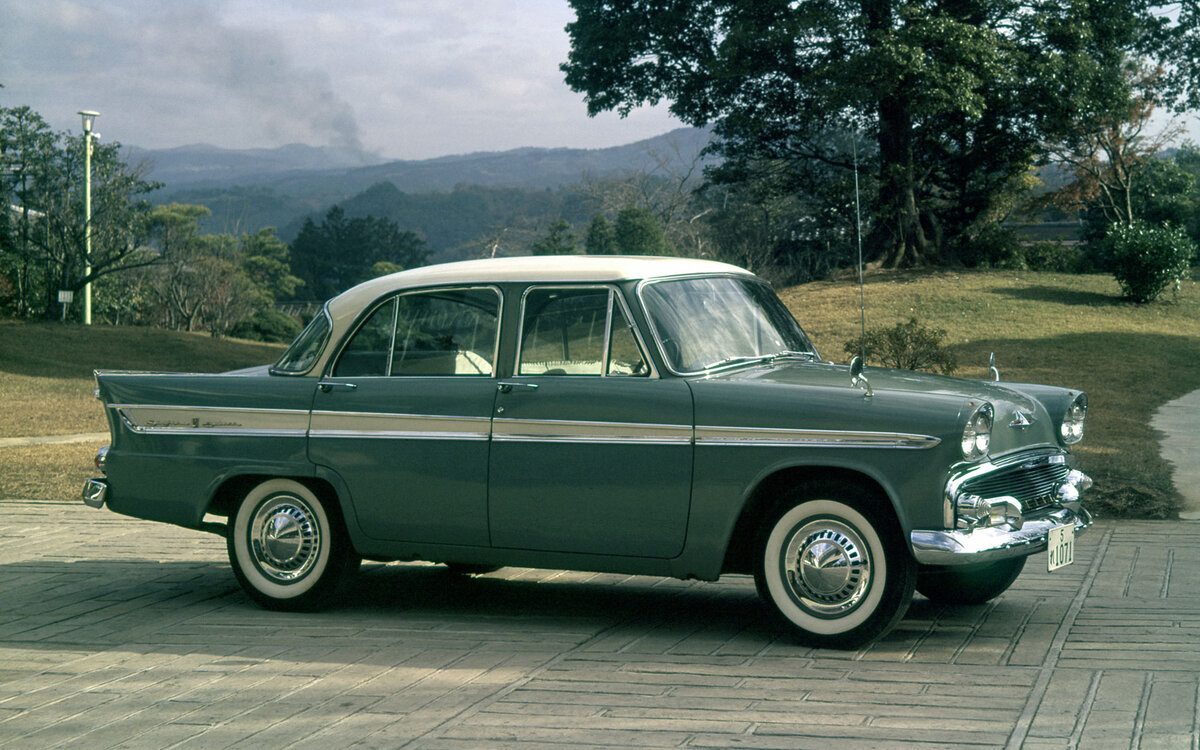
[[862, 307]]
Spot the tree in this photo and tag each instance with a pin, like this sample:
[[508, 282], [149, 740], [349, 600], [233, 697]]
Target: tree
[[43, 173], [955, 94], [266, 261], [638, 232], [559, 240], [206, 281], [1110, 153], [601, 238], [340, 252]]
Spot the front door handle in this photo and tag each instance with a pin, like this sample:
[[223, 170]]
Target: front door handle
[[329, 385], [507, 387]]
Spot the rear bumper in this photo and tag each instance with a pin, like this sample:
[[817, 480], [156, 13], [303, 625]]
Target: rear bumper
[[95, 492], [963, 547]]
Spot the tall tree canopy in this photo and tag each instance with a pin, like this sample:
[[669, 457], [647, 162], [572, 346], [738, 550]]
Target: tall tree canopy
[[42, 194], [340, 251], [954, 98]]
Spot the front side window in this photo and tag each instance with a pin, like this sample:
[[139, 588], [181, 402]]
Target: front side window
[[705, 323], [577, 332], [442, 332]]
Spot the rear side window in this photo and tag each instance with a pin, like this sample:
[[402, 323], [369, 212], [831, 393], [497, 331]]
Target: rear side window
[[440, 332]]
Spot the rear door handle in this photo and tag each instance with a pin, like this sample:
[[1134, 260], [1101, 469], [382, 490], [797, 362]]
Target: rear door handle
[[329, 385], [507, 387]]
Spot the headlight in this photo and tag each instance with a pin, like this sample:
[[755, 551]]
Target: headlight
[[977, 437], [1071, 429]]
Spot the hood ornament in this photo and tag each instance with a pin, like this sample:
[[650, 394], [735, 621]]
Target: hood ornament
[[857, 378], [1021, 420]]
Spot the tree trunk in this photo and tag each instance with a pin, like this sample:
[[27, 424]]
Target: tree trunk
[[899, 240]]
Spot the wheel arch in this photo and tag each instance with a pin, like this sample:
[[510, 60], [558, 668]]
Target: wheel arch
[[762, 503], [229, 493]]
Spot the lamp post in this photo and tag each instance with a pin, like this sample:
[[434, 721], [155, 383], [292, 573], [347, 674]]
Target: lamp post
[[89, 117]]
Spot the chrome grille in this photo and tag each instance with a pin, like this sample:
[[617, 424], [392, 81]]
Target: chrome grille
[[1033, 485]]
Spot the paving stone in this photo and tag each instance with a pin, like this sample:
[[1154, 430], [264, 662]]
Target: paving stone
[[128, 634]]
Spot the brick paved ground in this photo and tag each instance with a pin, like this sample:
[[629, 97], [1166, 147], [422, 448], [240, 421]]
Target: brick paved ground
[[122, 633]]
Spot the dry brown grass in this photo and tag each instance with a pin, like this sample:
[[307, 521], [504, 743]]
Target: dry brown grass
[[46, 386], [47, 472], [46, 369]]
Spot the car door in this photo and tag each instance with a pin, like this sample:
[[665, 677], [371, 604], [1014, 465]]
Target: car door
[[591, 451], [403, 415]]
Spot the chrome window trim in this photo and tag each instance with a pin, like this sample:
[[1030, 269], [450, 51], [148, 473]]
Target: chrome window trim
[[789, 438], [495, 362], [178, 420], [662, 352], [578, 431], [614, 293]]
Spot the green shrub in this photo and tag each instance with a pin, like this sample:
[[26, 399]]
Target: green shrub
[[907, 346], [268, 325], [1055, 257], [993, 247], [1146, 259]]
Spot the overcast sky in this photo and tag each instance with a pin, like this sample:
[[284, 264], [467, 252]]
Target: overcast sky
[[403, 79]]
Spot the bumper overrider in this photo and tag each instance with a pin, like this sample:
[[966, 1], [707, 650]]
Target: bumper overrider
[[95, 491], [1040, 493]]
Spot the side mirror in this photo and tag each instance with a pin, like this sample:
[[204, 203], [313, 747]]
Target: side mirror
[[992, 368], [856, 375]]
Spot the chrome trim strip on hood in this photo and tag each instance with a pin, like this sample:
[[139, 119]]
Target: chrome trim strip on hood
[[788, 438]]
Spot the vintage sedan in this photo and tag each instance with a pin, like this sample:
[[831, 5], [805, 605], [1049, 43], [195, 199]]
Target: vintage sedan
[[653, 416]]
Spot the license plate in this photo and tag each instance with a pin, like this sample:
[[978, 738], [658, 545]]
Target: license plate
[[1060, 546]]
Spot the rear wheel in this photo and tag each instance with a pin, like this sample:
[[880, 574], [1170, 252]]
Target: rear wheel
[[968, 584], [833, 566], [288, 551]]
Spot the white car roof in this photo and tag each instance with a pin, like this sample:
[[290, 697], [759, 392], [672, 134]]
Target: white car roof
[[345, 307], [536, 268]]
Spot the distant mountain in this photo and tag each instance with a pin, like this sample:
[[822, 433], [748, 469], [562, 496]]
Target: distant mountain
[[202, 164], [303, 169], [248, 190]]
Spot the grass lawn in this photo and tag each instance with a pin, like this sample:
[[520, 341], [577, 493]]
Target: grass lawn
[[47, 388], [1044, 328]]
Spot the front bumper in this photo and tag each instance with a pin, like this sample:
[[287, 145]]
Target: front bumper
[[963, 547]]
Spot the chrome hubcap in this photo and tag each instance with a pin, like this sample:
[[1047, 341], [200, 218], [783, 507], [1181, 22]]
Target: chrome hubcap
[[285, 538], [827, 567]]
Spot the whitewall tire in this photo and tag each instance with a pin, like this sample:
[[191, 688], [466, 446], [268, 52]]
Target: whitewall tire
[[288, 551], [832, 565]]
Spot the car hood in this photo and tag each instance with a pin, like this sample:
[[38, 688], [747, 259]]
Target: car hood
[[906, 401]]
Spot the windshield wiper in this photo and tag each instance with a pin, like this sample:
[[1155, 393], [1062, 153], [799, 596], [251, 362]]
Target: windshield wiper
[[742, 360], [790, 353]]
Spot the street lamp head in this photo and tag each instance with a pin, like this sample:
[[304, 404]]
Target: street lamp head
[[89, 117]]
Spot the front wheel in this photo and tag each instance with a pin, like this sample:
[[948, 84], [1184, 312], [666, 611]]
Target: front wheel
[[834, 568], [969, 584], [288, 551]]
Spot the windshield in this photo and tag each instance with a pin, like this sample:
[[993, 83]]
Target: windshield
[[303, 352], [710, 322]]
